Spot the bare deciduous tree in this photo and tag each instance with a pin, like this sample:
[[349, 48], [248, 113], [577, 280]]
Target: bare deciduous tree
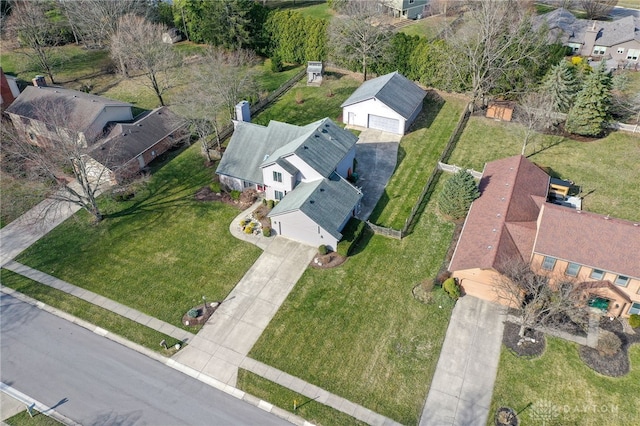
[[539, 302], [95, 21], [497, 41], [58, 158], [596, 9], [137, 45], [28, 22], [535, 113], [228, 76], [361, 34]]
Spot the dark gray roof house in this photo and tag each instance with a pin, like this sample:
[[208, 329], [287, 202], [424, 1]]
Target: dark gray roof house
[[129, 147], [83, 113], [618, 40], [390, 103]]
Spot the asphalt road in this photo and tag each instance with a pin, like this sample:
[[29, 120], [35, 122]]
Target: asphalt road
[[95, 381]]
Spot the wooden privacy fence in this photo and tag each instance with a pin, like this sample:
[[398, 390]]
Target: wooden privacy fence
[[449, 168], [387, 232], [464, 117]]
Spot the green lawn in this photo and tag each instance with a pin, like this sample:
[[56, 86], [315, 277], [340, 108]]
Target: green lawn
[[23, 419], [418, 153], [314, 8], [315, 102], [607, 169], [158, 253], [284, 398], [564, 391], [428, 27], [357, 331], [96, 315]]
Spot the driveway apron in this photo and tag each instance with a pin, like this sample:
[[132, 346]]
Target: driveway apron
[[226, 339]]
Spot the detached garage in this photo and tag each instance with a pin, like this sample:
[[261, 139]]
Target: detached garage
[[389, 103]]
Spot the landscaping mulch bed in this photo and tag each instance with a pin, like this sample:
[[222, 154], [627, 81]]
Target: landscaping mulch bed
[[329, 260], [202, 316], [247, 198], [510, 339], [617, 364]]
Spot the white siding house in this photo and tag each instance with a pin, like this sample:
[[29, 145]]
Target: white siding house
[[389, 103], [304, 168]]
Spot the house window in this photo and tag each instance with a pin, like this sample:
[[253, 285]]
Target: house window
[[277, 177], [621, 50], [572, 269], [634, 309], [279, 195], [599, 50], [549, 263], [633, 54], [622, 280], [597, 274], [575, 47]]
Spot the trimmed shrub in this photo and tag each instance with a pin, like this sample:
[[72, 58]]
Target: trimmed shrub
[[452, 288], [243, 222], [350, 236], [322, 250], [266, 231], [270, 204], [235, 195], [608, 343], [215, 187], [248, 229], [634, 320], [264, 201], [276, 63], [193, 313]]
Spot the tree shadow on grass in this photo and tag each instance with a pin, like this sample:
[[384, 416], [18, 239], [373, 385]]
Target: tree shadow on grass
[[431, 106], [362, 242]]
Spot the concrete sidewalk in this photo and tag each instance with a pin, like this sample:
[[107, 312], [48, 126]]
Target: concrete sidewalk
[[226, 339], [462, 385], [103, 302], [31, 226]]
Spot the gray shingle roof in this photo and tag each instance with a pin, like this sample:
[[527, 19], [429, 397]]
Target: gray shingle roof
[[322, 146], [394, 90], [572, 29], [251, 144], [328, 202], [79, 108], [126, 141]]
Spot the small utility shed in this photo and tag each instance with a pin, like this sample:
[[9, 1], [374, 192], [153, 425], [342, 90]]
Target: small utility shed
[[389, 103]]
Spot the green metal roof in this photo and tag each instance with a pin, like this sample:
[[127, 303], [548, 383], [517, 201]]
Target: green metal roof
[[327, 202]]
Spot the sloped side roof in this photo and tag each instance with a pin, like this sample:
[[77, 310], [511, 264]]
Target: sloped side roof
[[127, 141], [501, 223], [78, 108], [589, 239], [322, 146], [394, 90], [327, 202], [251, 144]]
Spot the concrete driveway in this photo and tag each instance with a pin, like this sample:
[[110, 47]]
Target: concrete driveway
[[377, 154], [226, 339]]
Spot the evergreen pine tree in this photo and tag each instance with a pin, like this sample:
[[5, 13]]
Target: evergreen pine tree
[[457, 195], [562, 85], [589, 114]]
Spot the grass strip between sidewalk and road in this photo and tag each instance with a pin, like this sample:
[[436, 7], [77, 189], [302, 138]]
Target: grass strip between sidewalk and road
[[284, 398], [89, 312], [24, 419]]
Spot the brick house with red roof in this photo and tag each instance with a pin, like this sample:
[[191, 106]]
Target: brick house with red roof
[[512, 220]]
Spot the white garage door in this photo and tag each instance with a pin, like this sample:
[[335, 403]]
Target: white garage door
[[383, 123]]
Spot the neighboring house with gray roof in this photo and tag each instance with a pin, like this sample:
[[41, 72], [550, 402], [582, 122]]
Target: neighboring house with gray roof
[[37, 112], [298, 166], [130, 147], [390, 103], [618, 40]]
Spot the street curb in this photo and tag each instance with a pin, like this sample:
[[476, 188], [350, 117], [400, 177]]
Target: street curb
[[43, 409], [208, 380]]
